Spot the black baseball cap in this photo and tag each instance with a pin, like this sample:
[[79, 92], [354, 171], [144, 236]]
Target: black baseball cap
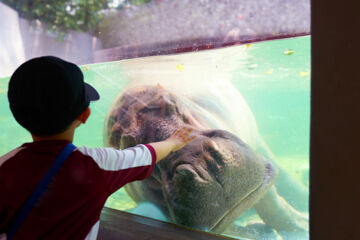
[[47, 94]]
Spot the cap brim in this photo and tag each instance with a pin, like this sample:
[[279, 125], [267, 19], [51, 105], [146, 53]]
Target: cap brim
[[91, 93]]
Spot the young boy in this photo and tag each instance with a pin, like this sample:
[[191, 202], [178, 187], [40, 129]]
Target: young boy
[[49, 98]]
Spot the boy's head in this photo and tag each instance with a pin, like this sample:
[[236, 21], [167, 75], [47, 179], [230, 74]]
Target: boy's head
[[47, 94]]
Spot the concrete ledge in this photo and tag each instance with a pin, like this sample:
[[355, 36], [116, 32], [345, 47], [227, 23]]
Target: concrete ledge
[[119, 225]]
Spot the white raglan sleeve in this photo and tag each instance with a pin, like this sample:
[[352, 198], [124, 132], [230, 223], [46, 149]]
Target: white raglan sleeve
[[123, 166]]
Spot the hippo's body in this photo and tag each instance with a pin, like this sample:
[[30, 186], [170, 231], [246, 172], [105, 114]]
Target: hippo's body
[[214, 178]]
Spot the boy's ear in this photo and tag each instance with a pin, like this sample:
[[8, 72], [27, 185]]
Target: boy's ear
[[84, 115]]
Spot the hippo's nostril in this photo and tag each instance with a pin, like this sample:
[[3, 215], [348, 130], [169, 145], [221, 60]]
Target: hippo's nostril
[[213, 149], [217, 156], [185, 170]]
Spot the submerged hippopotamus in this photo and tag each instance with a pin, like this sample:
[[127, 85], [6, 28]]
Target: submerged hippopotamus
[[214, 178]]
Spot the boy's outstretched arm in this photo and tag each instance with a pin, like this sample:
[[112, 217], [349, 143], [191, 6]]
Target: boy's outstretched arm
[[174, 143]]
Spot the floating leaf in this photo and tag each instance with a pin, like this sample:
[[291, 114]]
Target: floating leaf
[[180, 67], [304, 74], [85, 68], [288, 52]]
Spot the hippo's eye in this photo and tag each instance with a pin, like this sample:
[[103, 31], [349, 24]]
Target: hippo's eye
[[150, 108], [197, 154]]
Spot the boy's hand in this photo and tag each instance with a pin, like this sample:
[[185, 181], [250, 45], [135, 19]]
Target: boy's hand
[[175, 142], [180, 138]]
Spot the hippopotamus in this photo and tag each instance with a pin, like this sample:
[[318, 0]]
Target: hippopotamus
[[214, 178]]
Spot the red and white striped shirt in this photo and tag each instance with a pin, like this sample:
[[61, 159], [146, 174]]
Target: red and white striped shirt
[[70, 208]]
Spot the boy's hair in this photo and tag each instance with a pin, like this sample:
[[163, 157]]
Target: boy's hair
[[47, 94]]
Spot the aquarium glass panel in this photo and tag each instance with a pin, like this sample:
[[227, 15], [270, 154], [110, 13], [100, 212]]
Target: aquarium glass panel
[[254, 94], [236, 72]]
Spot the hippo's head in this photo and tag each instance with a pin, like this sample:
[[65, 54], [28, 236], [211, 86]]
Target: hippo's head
[[205, 185]]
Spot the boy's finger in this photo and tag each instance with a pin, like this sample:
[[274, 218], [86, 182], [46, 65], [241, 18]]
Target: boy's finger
[[190, 139], [184, 130], [187, 131], [180, 131]]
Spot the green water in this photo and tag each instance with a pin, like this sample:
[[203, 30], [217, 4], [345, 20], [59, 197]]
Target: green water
[[273, 77], [278, 92]]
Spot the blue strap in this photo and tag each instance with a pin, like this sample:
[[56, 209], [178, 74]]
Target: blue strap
[[34, 197]]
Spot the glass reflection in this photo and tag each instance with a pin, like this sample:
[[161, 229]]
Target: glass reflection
[[87, 31]]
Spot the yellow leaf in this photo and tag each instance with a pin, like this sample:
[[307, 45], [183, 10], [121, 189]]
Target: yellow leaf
[[85, 68], [304, 74], [288, 52], [180, 67]]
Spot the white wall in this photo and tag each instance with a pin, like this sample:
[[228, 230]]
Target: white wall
[[11, 45], [21, 40]]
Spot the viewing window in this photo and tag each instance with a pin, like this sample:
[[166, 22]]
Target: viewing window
[[238, 72]]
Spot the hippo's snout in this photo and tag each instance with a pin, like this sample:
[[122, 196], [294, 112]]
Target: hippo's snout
[[216, 169]]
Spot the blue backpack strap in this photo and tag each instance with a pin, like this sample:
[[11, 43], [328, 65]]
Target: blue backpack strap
[[34, 197]]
